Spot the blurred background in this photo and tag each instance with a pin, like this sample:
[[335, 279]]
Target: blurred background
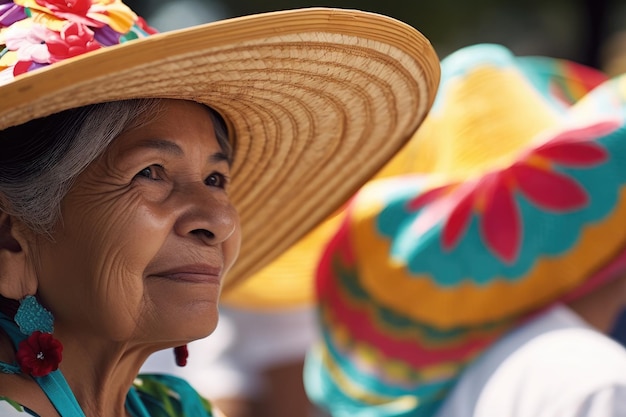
[[590, 32]]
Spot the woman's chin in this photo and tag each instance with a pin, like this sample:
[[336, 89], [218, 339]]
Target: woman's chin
[[195, 329]]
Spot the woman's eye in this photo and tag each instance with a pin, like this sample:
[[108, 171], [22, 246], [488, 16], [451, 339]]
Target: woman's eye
[[152, 172], [216, 179]]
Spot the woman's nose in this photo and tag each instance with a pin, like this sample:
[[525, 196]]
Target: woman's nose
[[205, 214]]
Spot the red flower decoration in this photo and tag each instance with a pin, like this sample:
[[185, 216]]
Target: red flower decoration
[[39, 354], [492, 195], [75, 39], [21, 67], [72, 10]]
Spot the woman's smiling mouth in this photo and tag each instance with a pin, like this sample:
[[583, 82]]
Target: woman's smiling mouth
[[194, 273]]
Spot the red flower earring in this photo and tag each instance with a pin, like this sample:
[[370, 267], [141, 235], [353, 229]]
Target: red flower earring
[[40, 353]]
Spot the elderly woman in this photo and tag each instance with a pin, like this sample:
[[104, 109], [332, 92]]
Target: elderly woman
[[133, 177]]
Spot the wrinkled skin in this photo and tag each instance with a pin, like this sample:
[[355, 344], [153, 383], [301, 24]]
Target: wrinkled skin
[[137, 261], [134, 214]]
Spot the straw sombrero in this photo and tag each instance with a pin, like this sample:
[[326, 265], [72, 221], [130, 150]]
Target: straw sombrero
[[516, 200], [317, 100]]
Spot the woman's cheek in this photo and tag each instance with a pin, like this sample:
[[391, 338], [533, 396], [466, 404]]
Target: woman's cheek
[[118, 241], [231, 248]]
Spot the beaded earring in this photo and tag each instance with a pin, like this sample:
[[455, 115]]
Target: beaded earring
[[40, 353]]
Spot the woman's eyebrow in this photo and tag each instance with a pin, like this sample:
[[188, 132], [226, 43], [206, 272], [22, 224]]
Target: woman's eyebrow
[[162, 145], [173, 148], [220, 157]]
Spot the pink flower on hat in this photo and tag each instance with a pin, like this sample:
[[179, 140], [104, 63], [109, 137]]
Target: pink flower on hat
[[74, 39], [492, 198], [25, 47], [29, 42]]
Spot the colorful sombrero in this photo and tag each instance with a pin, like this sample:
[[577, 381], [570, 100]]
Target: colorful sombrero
[[516, 200], [307, 94], [288, 280]]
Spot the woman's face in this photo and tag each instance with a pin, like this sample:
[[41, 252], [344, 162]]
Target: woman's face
[[147, 235]]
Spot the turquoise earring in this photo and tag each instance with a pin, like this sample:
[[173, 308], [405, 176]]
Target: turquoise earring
[[32, 316]]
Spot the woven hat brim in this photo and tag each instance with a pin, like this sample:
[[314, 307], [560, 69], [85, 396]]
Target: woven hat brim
[[317, 101]]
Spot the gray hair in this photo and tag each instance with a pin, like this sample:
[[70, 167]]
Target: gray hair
[[40, 159]]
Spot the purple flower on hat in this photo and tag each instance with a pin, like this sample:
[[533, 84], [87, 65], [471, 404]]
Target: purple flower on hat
[[106, 36], [10, 13], [492, 196]]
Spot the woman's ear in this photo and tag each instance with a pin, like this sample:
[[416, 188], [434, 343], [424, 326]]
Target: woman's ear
[[17, 273]]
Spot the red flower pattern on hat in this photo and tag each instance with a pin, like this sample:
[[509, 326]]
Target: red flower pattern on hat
[[491, 196], [72, 10], [39, 354], [74, 39]]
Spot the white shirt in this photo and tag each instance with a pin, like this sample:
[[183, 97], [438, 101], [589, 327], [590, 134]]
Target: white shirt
[[553, 366]]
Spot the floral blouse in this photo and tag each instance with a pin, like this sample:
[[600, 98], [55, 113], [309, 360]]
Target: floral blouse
[[162, 395]]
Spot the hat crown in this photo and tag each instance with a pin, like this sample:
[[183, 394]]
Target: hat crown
[[491, 108], [38, 33]]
